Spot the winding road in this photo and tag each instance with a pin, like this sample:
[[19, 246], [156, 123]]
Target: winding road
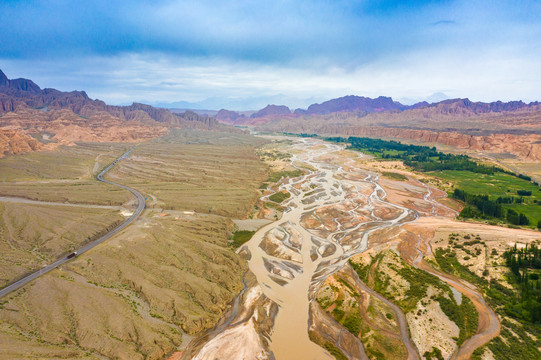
[[140, 207]]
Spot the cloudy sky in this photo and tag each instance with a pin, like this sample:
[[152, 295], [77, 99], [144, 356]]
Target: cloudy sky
[[243, 53]]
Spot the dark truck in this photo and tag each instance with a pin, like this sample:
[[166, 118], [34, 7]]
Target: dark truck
[[72, 255]]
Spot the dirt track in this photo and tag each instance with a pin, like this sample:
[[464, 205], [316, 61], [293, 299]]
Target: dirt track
[[401, 318], [489, 324]]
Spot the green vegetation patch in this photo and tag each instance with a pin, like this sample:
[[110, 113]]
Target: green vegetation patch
[[394, 176], [361, 270], [508, 198], [525, 265], [279, 196], [333, 350], [241, 237], [419, 281], [352, 322], [519, 339], [276, 176], [464, 316], [420, 158], [515, 342], [434, 354], [448, 262], [496, 184]]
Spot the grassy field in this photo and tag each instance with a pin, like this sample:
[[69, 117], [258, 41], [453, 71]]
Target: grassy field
[[33, 235], [394, 176], [240, 237], [64, 175], [498, 185], [66, 162], [218, 175], [169, 273], [279, 196]]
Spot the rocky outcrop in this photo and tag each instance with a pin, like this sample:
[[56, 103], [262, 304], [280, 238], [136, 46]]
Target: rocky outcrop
[[17, 86], [230, 117], [271, 110], [17, 142], [526, 147], [353, 103], [67, 117], [7, 104], [4, 81], [452, 106]]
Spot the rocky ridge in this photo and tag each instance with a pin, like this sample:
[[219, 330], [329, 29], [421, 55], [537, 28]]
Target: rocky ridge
[[500, 127], [32, 118]]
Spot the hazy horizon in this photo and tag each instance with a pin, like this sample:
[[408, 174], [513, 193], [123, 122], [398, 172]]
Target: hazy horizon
[[184, 51]]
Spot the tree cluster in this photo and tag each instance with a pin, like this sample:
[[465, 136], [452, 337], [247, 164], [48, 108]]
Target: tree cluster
[[521, 262]]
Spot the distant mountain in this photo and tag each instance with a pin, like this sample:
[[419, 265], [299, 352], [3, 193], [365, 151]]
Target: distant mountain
[[240, 104], [271, 110], [457, 106], [353, 103], [205, 112], [349, 103], [28, 112], [17, 92], [436, 97], [17, 86], [230, 117], [364, 105]]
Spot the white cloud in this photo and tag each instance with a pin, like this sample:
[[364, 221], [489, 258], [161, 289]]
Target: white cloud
[[499, 73]]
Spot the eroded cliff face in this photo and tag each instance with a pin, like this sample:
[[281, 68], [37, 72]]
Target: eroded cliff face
[[64, 127], [525, 147], [34, 119], [17, 142]]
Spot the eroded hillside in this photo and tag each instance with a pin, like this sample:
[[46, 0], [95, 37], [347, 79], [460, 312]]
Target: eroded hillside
[[33, 119], [143, 293]]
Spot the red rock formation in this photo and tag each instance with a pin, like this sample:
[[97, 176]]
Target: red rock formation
[[355, 103], [527, 147], [230, 117], [271, 110], [17, 142], [67, 117]]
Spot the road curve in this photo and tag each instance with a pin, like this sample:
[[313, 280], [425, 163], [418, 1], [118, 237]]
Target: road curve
[[140, 207]]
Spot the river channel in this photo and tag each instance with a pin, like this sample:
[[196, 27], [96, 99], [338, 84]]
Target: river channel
[[329, 217]]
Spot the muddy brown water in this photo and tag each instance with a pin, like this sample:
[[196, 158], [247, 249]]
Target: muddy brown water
[[291, 262]]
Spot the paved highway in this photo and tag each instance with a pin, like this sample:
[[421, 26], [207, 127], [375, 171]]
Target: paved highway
[[140, 207]]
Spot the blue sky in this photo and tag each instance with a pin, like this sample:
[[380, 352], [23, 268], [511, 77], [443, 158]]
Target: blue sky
[[293, 51]]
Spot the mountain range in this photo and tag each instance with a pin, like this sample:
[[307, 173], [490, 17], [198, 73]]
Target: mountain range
[[363, 106], [512, 128], [32, 118]]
